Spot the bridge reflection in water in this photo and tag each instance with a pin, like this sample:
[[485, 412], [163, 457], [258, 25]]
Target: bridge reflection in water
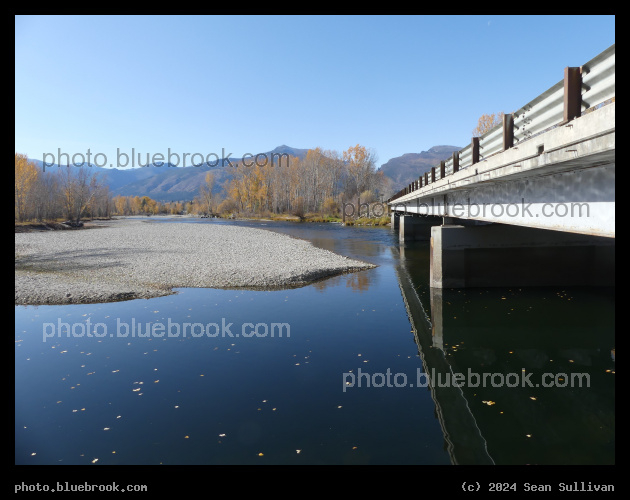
[[515, 336]]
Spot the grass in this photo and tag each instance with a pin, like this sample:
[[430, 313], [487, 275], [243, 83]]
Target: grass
[[315, 217], [321, 218], [369, 221]]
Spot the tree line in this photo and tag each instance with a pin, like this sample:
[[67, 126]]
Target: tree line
[[144, 205], [70, 193], [318, 183]]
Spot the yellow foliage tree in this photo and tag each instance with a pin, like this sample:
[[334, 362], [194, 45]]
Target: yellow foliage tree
[[487, 122], [361, 166], [25, 179]]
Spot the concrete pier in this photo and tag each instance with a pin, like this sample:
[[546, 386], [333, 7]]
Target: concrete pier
[[395, 221], [416, 228], [503, 255]]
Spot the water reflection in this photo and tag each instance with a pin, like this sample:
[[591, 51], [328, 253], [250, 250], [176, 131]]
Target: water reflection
[[519, 340]]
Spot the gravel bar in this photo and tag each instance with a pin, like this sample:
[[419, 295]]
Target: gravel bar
[[129, 259]]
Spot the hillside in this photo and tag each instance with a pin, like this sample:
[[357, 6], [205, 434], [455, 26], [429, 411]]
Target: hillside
[[407, 168], [171, 183]]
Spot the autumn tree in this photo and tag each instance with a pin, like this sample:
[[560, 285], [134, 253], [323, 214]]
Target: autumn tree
[[361, 165], [25, 180], [227, 206], [487, 122]]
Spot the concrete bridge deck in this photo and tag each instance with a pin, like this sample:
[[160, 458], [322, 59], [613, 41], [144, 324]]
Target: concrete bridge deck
[[563, 179], [532, 201]]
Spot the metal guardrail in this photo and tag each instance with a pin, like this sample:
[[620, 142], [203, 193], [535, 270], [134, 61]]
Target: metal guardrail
[[449, 166], [465, 157], [545, 110], [598, 79], [592, 84], [491, 142]]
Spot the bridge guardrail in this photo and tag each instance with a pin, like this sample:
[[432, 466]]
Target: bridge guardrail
[[465, 157], [491, 142], [545, 110], [583, 88], [598, 79], [449, 166]]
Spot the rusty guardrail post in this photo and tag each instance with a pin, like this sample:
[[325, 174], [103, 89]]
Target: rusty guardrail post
[[572, 93], [474, 146], [508, 131]]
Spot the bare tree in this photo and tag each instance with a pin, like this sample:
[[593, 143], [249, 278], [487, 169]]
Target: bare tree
[[205, 192], [79, 188]]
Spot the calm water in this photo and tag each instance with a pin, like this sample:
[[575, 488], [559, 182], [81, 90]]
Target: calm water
[[295, 398]]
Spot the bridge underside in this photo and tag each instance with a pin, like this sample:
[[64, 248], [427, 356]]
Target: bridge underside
[[468, 253], [542, 213], [503, 255]]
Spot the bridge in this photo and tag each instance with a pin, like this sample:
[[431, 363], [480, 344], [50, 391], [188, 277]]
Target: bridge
[[529, 202]]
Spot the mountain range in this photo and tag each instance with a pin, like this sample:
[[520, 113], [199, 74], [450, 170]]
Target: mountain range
[[169, 183], [404, 169]]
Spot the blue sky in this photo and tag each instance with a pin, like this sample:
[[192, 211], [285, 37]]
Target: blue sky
[[247, 84]]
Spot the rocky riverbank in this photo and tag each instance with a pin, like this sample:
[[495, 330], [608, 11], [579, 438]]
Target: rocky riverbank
[[127, 259]]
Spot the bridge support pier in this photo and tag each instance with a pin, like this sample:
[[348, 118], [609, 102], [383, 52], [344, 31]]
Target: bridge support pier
[[504, 255], [395, 221], [416, 228]]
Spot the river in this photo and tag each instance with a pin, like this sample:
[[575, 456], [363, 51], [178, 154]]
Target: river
[[349, 370]]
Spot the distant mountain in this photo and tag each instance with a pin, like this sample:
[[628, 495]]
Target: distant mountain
[[300, 153], [404, 169], [171, 183]]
